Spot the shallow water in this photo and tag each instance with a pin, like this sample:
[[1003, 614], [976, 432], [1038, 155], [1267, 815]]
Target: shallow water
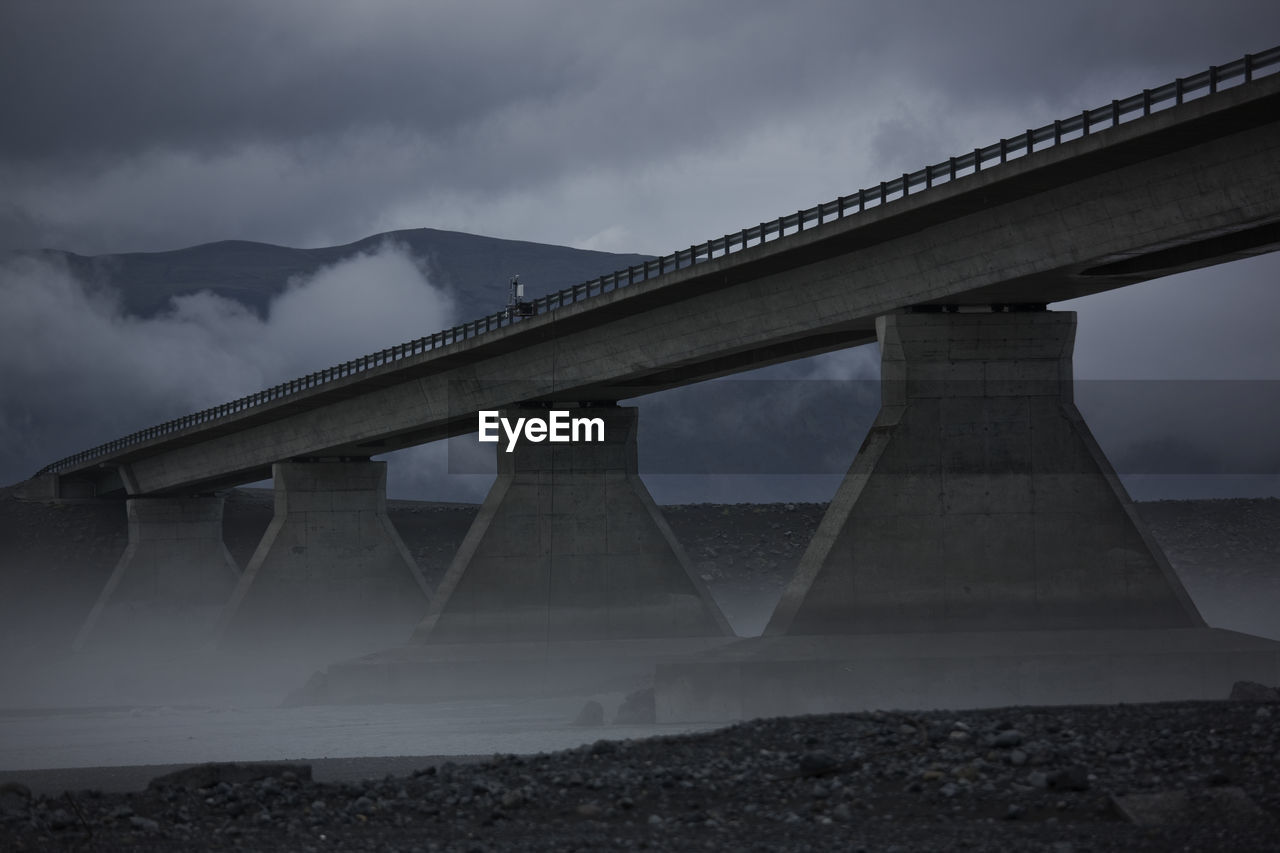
[[95, 737]]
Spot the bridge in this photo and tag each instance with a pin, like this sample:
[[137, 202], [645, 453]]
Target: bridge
[[951, 267]]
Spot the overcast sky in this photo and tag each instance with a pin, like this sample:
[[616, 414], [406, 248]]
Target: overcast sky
[[623, 126], [626, 126]]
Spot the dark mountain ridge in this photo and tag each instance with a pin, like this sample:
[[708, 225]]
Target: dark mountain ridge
[[472, 268]]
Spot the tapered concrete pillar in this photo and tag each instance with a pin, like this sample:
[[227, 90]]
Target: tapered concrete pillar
[[979, 500], [331, 571], [570, 546], [172, 580]]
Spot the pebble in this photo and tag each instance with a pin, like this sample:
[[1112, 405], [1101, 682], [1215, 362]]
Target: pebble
[[145, 824], [1008, 738]]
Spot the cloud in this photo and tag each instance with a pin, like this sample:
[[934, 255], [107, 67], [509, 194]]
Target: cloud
[[143, 126], [79, 371]]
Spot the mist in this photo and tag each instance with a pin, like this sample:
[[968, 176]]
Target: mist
[[80, 371]]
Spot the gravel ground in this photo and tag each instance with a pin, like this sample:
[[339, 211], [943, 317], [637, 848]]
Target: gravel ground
[[1042, 779]]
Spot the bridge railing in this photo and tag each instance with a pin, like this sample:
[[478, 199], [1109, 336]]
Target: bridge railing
[[1034, 140]]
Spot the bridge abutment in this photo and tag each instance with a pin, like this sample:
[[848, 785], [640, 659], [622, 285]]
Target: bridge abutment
[[172, 580], [569, 545], [331, 572]]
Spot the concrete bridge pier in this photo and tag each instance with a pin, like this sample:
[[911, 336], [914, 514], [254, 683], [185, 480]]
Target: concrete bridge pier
[[981, 551], [980, 499], [569, 545], [331, 573], [172, 580]]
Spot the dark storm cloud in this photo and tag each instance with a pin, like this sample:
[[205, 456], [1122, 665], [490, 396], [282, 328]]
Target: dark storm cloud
[[109, 78], [148, 125], [116, 77]]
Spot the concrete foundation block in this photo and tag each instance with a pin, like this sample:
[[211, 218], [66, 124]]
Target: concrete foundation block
[[569, 546], [172, 581], [331, 571], [980, 501]]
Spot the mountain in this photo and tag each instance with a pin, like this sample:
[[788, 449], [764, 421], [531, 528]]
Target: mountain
[[474, 269]]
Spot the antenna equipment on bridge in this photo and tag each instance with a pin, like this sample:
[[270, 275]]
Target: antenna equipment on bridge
[[516, 304]]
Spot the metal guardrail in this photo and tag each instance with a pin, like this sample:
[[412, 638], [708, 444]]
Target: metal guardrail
[[1205, 83]]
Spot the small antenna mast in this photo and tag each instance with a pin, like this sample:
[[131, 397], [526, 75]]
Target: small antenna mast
[[516, 304]]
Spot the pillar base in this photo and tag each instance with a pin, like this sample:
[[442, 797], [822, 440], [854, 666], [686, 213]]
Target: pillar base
[[331, 574], [170, 584], [979, 500], [569, 545]]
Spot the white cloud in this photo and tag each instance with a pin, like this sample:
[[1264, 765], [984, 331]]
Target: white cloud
[[79, 371]]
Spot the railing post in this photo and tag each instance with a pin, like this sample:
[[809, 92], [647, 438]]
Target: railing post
[[1115, 113], [1084, 123], [906, 181], [1057, 131], [1031, 140], [1146, 102], [884, 192], [862, 200], [1248, 67], [1177, 91], [1004, 150], [951, 163], [977, 160]]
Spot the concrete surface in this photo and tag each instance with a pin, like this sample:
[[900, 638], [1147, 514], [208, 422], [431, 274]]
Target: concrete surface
[[569, 545], [979, 499], [771, 676], [172, 580], [331, 569]]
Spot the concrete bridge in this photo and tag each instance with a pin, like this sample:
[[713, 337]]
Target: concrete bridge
[[951, 267]]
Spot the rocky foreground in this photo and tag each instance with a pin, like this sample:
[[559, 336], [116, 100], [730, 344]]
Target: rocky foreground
[[1176, 776]]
